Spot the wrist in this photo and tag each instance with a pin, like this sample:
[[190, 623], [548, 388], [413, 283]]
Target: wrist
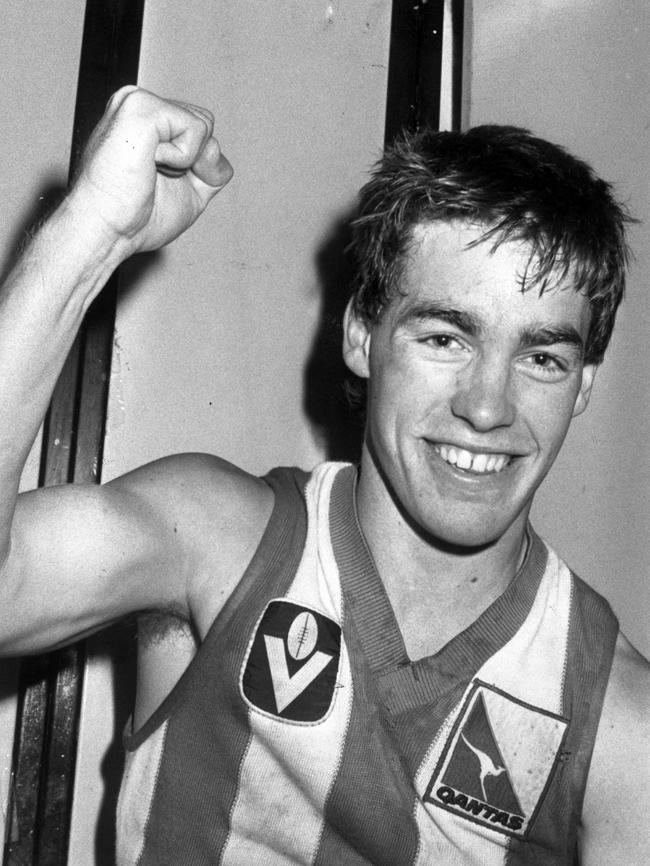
[[80, 245], [82, 216]]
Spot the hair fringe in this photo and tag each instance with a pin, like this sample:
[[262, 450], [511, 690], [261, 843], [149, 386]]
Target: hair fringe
[[518, 188]]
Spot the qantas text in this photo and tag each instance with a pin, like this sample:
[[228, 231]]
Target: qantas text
[[481, 810]]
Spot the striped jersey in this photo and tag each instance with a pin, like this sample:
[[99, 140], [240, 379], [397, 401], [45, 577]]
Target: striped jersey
[[302, 733]]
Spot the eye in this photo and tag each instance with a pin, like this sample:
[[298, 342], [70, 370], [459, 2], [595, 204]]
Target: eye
[[544, 360], [546, 366], [443, 342]]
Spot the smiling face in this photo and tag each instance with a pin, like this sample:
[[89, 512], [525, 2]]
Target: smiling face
[[472, 387]]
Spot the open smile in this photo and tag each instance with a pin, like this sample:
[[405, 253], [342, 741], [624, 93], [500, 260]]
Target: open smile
[[473, 462]]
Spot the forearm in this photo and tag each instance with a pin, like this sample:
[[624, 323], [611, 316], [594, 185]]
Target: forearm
[[42, 304]]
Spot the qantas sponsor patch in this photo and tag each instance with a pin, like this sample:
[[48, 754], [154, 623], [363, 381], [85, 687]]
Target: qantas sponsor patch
[[498, 761], [292, 663]]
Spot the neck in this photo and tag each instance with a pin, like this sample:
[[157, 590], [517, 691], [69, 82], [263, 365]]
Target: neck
[[453, 585]]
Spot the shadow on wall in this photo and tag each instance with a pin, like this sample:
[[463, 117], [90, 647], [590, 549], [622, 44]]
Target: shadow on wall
[[327, 381], [52, 192], [118, 644]]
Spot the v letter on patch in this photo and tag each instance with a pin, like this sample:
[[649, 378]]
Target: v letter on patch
[[292, 665]]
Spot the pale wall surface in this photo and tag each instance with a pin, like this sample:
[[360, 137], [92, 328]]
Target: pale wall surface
[[578, 72], [212, 342]]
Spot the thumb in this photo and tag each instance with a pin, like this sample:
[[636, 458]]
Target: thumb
[[211, 166]]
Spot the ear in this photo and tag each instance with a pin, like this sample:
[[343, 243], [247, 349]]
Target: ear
[[356, 342], [582, 400]]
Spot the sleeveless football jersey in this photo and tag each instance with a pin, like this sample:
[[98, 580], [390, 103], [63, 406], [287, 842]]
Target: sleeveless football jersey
[[302, 733]]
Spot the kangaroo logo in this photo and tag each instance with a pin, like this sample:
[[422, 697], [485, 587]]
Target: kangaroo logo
[[292, 665], [495, 767], [488, 767], [477, 767]]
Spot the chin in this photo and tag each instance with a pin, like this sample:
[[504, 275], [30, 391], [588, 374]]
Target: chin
[[468, 532], [468, 539]]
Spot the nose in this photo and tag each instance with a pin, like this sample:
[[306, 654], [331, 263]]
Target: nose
[[483, 395]]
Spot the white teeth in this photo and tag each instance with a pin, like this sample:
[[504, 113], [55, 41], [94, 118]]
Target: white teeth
[[479, 463], [448, 454], [464, 460]]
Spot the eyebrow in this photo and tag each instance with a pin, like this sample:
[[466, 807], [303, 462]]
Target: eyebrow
[[461, 319], [552, 336], [468, 323]]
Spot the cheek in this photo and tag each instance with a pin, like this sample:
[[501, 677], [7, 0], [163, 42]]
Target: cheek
[[403, 408], [548, 414], [399, 390], [416, 388]]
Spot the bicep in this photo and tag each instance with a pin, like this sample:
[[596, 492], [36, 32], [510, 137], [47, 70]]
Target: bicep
[[81, 557], [175, 535]]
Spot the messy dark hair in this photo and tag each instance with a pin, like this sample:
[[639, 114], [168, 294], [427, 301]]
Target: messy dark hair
[[518, 188]]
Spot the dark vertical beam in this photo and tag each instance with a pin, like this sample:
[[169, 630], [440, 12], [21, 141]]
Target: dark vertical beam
[[430, 37], [415, 65], [457, 32], [51, 686]]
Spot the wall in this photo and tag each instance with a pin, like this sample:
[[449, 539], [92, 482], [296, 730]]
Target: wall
[[578, 73], [231, 309]]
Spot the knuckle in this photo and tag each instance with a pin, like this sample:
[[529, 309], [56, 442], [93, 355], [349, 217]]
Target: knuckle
[[121, 95], [206, 117]]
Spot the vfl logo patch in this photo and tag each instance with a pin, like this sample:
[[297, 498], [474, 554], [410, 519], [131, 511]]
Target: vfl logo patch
[[292, 664], [498, 761]]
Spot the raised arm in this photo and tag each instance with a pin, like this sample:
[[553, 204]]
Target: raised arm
[[149, 171]]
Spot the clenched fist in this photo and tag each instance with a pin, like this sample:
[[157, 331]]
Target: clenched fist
[[149, 170]]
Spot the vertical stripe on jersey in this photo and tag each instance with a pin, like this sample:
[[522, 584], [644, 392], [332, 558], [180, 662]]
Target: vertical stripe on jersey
[[138, 786], [369, 810], [592, 638], [278, 813], [530, 668]]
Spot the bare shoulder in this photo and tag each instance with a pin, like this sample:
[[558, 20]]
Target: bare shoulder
[[199, 484], [630, 675], [626, 710], [216, 511], [614, 816]]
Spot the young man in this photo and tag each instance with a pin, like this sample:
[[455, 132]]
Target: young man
[[393, 668]]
